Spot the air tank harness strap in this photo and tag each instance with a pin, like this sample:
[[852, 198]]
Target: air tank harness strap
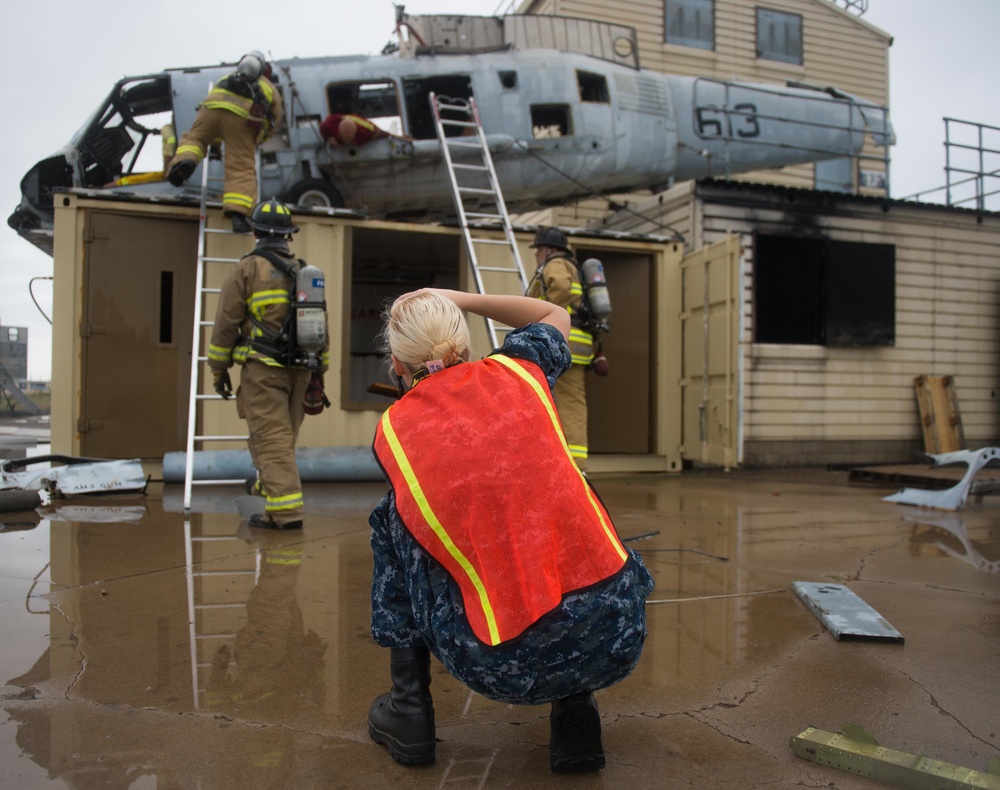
[[279, 345]]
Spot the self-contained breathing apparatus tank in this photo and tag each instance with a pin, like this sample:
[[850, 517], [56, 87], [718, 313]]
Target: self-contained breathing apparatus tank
[[596, 287], [310, 314]]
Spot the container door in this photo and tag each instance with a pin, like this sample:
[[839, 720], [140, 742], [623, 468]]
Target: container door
[[138, 289], [710, 385]]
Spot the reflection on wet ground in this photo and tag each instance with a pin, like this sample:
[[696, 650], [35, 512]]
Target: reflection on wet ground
[[143, 649]]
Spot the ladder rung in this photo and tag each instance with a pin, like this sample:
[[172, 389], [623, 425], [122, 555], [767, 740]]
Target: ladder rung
[[211, 290], [209, 438], [223, 230], [212, 538], [218, 482], [489, 241], [476, 191], [478, 215], [461, 143], [450, 122], [498, 269], [481, 168], [220, 260]]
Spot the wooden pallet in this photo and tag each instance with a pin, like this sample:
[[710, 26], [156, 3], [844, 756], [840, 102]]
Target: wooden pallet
[[987, 481], [939, 417]]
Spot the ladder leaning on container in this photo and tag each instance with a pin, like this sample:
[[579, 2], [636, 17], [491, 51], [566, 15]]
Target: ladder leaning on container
[[199, 344], [477, 194]]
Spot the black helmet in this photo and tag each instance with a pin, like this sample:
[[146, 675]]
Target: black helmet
[[271, 218], [550, 237]]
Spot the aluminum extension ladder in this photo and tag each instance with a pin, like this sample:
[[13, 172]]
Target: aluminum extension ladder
[[199, 342], [477, 195]]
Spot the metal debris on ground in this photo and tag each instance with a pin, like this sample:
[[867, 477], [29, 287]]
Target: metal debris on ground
[[953, 498], [858, 751], [80, 476], [843, 613]]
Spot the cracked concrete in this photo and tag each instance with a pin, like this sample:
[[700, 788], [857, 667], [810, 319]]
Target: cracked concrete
[[124, 669]]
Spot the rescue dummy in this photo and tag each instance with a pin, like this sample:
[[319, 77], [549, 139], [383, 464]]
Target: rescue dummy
[[348, 129], [242, 110], [252, 330], [491, 549]]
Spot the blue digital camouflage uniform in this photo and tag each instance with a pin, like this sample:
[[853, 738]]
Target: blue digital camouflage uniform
[[590, 641]]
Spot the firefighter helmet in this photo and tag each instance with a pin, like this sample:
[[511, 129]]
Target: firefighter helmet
[[251, 65], [272, 218], [551, 237]]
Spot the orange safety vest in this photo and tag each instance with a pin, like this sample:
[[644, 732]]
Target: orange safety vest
[[493, 493]]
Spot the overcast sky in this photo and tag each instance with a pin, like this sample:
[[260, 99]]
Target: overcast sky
[[64, 56]]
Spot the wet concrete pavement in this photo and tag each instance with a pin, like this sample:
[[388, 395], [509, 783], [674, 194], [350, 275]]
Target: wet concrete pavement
[[142, 650]]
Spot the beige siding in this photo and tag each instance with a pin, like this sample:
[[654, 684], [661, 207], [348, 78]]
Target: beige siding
[[947, 281]]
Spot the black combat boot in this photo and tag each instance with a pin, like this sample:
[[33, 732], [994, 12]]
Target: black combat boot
[[403, 719], [575, 744]]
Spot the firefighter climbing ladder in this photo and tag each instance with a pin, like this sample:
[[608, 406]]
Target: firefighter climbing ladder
[[199, 343], [476, 190]]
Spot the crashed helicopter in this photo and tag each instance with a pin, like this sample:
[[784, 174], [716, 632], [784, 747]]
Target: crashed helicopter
[[565, 108]]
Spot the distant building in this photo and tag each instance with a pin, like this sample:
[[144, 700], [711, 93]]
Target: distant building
[[14, 352]]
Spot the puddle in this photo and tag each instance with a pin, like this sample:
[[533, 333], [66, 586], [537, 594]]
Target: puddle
[[157, 650]]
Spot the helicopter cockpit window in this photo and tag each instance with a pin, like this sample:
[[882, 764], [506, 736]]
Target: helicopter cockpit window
[[375, 100], [550, 120], [118, 140], [593, 87]]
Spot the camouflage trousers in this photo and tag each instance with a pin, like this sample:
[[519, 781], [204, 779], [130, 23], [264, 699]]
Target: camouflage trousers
[[590, 641]]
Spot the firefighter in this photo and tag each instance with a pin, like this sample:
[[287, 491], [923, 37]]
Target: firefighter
[[491, 549], [557, 280], [251, 330], [243, 110]]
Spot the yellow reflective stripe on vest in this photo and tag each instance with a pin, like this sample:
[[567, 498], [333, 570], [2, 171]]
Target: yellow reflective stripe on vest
[[533, 383], [432, 521]]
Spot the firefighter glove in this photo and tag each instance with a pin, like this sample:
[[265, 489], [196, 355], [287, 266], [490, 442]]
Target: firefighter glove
[[221, 383]]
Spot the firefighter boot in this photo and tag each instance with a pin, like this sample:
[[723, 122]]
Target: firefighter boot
[[181, 171], [240, 223], [575, 745], [403, 719]]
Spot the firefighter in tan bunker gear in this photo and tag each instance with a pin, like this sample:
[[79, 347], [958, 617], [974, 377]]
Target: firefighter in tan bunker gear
[[557, 280], [243, 109], [253, 305]]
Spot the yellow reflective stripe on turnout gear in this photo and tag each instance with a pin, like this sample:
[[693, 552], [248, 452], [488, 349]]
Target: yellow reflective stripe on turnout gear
[[259, 301], [240, 105], [283, 556], [190, 148], [289, 502], [219, 354], [533, 383], [237, 199], [432, 521], [578, 450]]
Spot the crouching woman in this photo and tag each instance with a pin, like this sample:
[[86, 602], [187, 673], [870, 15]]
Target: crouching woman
[[491, 549]]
